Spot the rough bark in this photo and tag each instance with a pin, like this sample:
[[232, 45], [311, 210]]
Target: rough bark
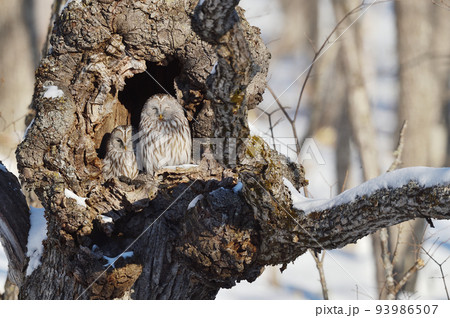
[[99, 49]]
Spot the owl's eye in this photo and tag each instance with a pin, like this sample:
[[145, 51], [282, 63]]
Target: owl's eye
[[120, 142]]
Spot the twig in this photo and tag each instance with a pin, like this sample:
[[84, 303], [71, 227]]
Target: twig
[[318, 53], [4, 120], [397, 243], [391, 287], [387, 264], [319, 265], [441, 4], [345, 181], [398, 152], [276, 139], [441, 270], [271, 124], [291, 120], [418, 265]]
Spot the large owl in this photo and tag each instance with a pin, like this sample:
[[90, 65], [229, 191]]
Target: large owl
[[164, 134], [120, 159]]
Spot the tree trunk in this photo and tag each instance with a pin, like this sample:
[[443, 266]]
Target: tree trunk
[[185, 232], [421, 104], [99, 54]]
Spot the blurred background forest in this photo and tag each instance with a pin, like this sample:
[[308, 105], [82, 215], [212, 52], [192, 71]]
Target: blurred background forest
[[370, 66]]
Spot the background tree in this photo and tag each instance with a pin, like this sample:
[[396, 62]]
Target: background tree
[[423, 78], [22, 33]]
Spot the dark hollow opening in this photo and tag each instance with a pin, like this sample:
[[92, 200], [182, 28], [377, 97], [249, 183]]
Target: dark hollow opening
[[158, 79], [101, 152], [111, 245]]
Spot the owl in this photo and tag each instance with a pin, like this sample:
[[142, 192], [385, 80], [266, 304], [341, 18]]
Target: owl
[[120, 159], [164, 134]]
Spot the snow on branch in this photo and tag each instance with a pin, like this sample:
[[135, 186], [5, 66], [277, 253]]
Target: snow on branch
[[302, 223], [390, 199], [423, 176]]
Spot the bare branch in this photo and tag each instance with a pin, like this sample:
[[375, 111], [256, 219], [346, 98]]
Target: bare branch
[[271, 124], [418, 265], [390, 284], [334, 223], [319, 265], [320, 51], [292, 121], [399, 151], [441, 270], [387, 264]]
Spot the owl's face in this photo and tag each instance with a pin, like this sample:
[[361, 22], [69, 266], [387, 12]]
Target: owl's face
[[121, 139], [162, 107]]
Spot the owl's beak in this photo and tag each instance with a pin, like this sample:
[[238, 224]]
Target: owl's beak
[[161, 117]]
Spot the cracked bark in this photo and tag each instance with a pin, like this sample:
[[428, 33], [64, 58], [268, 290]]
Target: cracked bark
[[99, 52]]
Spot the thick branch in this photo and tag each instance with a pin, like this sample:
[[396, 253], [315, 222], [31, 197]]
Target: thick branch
[[342, 224], [387, 200], [14, 224], [225, 240]]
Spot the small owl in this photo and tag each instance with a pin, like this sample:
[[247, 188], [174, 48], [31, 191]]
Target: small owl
[[120, 159], [164, 134]]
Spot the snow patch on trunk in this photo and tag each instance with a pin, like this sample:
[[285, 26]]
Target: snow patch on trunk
[[111, 260], [193, 203], [52, 91], [37, 234], [238, 187], [80, 201]]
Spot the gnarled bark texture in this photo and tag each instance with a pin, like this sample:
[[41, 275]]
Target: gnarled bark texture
[[108, 57], [215, 63]]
